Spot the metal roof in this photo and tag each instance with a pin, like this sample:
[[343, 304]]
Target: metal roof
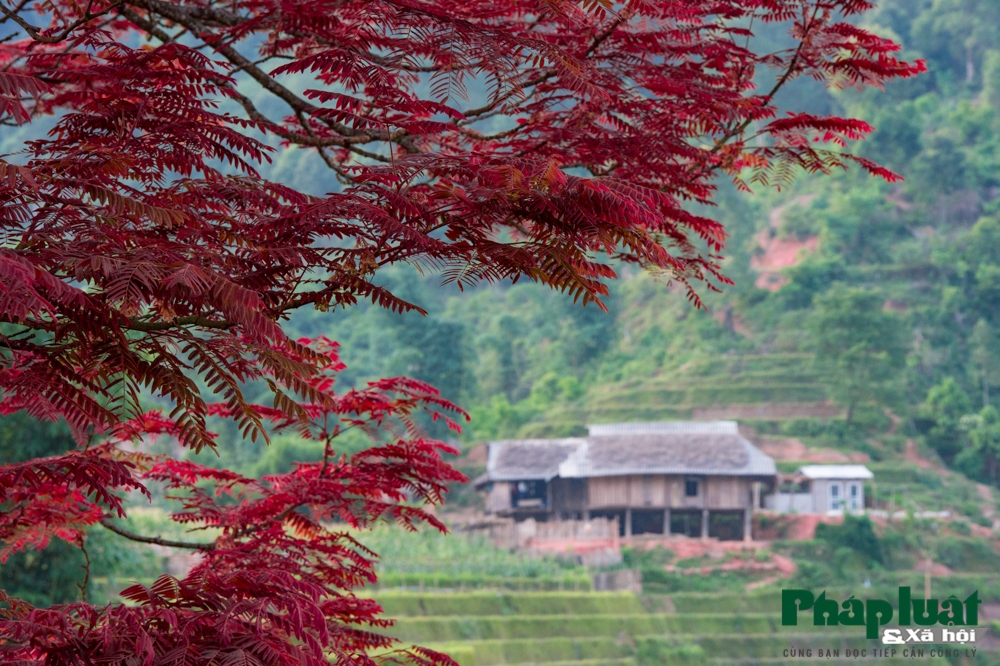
[[836, 472]]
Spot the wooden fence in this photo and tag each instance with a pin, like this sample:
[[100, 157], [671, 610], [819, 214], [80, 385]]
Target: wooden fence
[[506, 533]]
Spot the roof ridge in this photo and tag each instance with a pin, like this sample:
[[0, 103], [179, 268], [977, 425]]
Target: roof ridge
[[663, 427], [713, 448]]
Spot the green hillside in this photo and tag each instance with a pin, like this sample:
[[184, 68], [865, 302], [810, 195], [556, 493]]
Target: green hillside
[[848, 292], [544, 611], [609, 628]]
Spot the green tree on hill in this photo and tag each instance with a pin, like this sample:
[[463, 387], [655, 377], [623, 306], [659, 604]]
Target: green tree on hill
[[897, 141], [985, 360], [955, 34], [991, 81], [980, 459], [856, 533], [857, 345], [982, 242], [946, 404]]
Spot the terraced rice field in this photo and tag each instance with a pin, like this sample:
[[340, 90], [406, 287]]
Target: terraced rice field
[[751, 379], [486, 628]]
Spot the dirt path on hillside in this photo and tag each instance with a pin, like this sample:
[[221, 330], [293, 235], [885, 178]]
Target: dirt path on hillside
[[793, 450], [803, 526], [985, 493], [912, 454], [895, 421], [987, 507], [780, 253], [785, 569]]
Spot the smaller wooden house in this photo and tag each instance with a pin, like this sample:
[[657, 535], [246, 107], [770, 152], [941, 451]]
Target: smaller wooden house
[[692, 478], [821, 489]]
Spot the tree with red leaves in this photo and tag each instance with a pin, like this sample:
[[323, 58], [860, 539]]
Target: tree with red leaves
[[144, 255]]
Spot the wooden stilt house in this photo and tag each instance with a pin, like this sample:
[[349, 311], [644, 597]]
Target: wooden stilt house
[[692, 478]]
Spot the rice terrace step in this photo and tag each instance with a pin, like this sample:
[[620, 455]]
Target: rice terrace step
[[675, 649], [455, 628], [408, 604], [500, 628]]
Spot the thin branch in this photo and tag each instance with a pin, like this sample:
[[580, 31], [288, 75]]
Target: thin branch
[[86, 570], [600, 38], [36, 33], [488, 110], [14, 12], [155, 540], [193, 320], [779, 84], [328, 445], [149, 26]]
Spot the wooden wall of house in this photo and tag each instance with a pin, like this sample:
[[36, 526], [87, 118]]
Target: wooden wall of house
[[498, 498], [657, 492], [635, 491], [647, 491], [727, 492], [608, 491], [568, 495], [674, 487]]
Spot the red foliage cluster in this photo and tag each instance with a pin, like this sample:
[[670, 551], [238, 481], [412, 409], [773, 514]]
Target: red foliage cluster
[[143, 253], [274, 586]]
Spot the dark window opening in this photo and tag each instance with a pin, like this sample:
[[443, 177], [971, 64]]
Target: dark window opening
[[725, 525], [647, 522], [687, 523], [529, 494], [691, 487]]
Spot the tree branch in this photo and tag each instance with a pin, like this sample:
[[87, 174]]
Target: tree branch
[[193, 320], [155, 540], [86, 570], [36, 33], [779, 84]]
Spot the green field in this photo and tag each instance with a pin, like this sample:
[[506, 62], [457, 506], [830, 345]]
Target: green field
[[493, 628]]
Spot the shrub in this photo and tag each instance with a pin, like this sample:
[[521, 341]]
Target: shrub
[[961, 527], [855, 533], [652, 558]]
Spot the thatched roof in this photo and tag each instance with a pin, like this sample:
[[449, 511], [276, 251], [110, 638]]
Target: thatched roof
[[522, 459], [702, 448]]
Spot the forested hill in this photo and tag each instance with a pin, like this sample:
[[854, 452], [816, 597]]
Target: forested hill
[[848, 289]]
